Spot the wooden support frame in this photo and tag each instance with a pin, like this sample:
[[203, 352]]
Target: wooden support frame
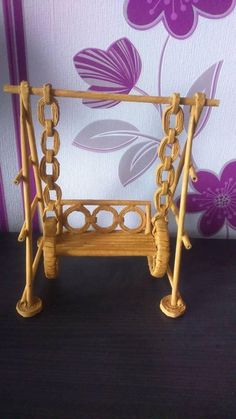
[[173, 305], [29, 305]]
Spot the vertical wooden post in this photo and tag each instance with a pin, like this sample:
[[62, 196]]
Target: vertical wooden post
[[148, 219], [29, 305], [32, 144], [60, 214], [173, 305]]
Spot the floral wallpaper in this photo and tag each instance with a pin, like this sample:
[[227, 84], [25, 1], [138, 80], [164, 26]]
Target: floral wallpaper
[[121, 67]]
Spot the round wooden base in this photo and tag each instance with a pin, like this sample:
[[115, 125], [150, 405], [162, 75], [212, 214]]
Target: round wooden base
[[172, 311], [29, 311]]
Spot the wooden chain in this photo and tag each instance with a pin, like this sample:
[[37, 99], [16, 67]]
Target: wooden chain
[[165, 173], [49, 153], [165, 177]]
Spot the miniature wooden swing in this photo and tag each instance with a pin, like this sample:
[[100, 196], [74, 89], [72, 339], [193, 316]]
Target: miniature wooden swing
[[150, 238]]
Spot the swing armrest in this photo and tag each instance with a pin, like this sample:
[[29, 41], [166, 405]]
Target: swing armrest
[[49, 247]]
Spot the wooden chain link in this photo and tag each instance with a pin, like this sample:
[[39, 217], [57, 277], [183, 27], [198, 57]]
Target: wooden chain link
[[165, 173], [49, 153]]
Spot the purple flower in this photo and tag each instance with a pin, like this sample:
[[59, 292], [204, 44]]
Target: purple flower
[[115, 70], [216, 198], [180, 17]]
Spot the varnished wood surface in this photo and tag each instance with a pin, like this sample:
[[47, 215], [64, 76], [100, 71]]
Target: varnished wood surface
[[101, 350], [116, 243]]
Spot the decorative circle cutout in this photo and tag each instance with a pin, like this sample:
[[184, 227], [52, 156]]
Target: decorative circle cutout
[[115, 219], [77, 208], [142, 219]]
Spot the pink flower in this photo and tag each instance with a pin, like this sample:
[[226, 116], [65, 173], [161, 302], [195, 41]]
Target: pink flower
[[115, 70], [216, 199], [180, 17]]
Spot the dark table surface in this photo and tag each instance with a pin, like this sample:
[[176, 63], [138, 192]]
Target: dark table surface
[[102, 349]]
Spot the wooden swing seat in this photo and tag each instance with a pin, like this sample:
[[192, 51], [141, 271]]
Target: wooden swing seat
[[148, 238], [116, 243], [91, 239]]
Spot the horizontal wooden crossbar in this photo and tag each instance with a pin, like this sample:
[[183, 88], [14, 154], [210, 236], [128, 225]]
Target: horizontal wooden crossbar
[[38, 91], [103, 202]]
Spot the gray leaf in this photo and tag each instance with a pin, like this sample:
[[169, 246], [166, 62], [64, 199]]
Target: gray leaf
[[136, 160], [206, 83], [106, 135]]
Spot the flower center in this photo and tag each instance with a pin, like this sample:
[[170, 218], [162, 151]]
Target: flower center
[[222, 200], [173, 14]]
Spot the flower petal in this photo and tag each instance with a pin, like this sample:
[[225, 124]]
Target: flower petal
[[180, 18], [214, 8], [207, 182], [211, 221], [228, 184], [126, 57], [228, 187], [231, 216], [117, 68], [142, 14], [97, 68], [195, 203], [229, 172]]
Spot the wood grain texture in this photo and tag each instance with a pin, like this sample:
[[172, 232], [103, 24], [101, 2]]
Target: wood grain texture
[[50, 259], [101, 349], [116, 243]]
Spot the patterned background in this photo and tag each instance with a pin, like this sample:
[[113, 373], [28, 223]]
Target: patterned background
[[108, 149]]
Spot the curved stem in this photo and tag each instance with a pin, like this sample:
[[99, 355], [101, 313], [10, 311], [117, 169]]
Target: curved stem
[[142, 92], [160, 69]]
